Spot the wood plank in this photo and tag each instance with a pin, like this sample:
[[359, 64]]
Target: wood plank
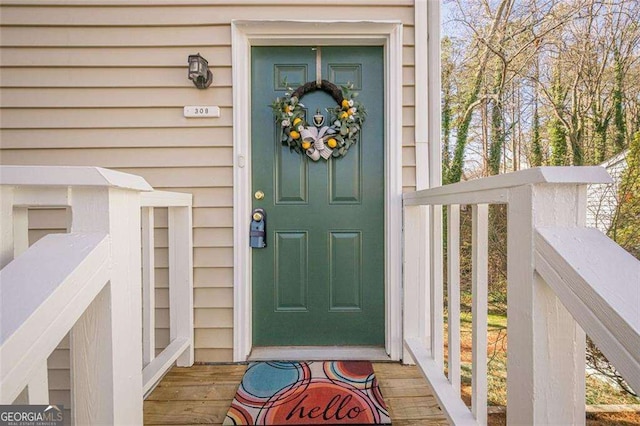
[[116, 138], [214, 355], [215, 217], [74, 77], [204, 373], [203, 393], [122, 157], [185, 176], [208, 197], [185, 412], [191, 15], [59, 360], [210, 257], [213, 257], [213, 277], [114, 97], [111, 57], [394, 370], [403, 387], [413, 408], [217, 3], [115, 36], [213, 298], [82, 118], [214, 338], [210, 317], [213, 237], [210, 392], [420, 422]]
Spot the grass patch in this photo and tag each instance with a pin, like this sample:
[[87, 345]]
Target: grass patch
[[598, 391]]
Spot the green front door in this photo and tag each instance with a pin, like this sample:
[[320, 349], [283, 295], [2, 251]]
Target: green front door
[[320, 280]]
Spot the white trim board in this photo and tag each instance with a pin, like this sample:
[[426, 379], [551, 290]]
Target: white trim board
[[318, 353], [246, 33]]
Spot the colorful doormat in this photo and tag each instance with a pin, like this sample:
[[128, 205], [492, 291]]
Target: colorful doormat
[[308, 393]]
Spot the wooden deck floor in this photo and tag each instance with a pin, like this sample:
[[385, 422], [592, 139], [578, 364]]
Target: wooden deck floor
[[203, 393]]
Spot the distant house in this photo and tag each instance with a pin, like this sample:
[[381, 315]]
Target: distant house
[[603, 199]]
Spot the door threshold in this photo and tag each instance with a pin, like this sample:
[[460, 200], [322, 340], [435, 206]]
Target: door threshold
[[318, 353]]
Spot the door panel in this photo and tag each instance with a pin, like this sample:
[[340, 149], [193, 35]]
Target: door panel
[[320, 280], [292, 265]]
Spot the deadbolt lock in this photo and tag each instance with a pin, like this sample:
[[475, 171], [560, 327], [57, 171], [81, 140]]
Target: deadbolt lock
[[259, 195]]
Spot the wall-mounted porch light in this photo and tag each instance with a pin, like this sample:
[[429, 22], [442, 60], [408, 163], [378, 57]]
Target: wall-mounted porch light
[[199, 71]]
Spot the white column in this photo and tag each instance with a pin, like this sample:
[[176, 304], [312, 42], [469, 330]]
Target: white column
[[106, 342], [546, 354]]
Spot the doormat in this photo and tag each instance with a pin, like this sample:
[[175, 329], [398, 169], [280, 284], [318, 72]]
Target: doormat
[[308, 393]]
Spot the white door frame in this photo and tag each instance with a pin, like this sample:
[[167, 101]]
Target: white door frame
[[247, 33]]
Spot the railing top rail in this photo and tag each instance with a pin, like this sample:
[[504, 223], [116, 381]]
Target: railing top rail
[[44, 291], [599, 283], [560, 175], [165, 199], [32, 277], [70, 176]]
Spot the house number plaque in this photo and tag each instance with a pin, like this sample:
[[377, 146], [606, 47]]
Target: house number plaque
[[201, 111]]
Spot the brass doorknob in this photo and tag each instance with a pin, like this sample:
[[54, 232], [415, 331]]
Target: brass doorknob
[[257, 216], [259, 195]]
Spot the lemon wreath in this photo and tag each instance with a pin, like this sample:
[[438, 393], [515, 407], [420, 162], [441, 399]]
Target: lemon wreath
[[318, 141]]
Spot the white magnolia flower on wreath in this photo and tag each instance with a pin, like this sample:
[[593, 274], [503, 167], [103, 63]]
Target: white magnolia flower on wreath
[[353, 110], [350, 102], [337, 123], [351, 118], [290, 114], [300, 128], [285, 123]]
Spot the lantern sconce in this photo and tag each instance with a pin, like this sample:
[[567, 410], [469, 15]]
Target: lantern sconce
[[199, 71]]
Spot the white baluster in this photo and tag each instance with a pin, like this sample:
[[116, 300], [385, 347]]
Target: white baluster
[[453, 293], [148, 286], [181, 280], [479, 283]]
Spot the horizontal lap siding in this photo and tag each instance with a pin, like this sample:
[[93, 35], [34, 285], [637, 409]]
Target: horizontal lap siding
[[105, 86]]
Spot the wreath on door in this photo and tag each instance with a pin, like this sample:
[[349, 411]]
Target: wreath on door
[[315, 139]]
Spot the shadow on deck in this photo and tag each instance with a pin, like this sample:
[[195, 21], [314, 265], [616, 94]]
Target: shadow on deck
[[202, 394]]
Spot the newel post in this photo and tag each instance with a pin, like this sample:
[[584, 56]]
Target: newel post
[[546, 352], [106, 342]]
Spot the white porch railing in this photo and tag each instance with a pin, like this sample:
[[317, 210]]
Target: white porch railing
[[88, 283], [562, 279]]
